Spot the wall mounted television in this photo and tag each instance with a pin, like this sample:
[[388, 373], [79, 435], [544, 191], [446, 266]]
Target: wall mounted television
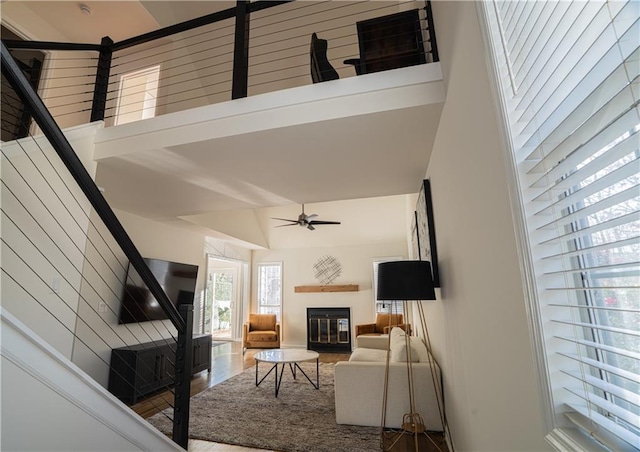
[[178, 281]]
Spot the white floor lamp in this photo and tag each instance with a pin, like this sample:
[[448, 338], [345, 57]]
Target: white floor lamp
[[409, 281]]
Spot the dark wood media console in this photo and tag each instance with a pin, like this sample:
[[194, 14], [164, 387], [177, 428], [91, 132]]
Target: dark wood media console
[[139, 369]]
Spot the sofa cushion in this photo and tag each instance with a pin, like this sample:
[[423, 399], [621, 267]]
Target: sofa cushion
[[398, 347], [381, 341], [262, 322], [262, 336], [369, 355]]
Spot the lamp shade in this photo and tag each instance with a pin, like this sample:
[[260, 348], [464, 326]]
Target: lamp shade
[[405, 280]]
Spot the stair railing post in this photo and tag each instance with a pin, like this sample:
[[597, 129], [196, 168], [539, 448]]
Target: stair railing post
[[25, 119], [239, 87], [432, 32], [184, 352], [101, 86]]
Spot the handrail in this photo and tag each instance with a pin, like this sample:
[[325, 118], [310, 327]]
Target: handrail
[[49, 45], [183, 319], [64, 150]]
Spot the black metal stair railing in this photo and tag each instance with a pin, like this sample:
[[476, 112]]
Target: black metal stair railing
[[183, 319]]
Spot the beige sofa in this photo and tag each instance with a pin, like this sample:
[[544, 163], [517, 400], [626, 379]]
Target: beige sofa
[[359, 383]]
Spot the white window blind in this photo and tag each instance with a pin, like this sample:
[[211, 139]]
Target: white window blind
[[569, 81], [382, 306], [270, 288]]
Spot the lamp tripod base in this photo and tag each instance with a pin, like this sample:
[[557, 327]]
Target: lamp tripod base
[[413, 436], [412, 423]]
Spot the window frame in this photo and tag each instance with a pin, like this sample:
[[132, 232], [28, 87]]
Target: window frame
[[383, 307], [538, 296], [148, 105], [269, 308]]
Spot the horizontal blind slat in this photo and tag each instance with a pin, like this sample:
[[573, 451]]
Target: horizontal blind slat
[[625, 173], [596, 308], [618, 198], [620, 149], [602, 86], [511, 26], [599, 346], [624, 394], [595, 326], [597, 132], [574, 86], [590, 289], [536, 17], [519, 28], [581, 419], [565, 53], [606, 271], [624, 220], [591, 249], [612, 409], [633, 377], [531, 50]]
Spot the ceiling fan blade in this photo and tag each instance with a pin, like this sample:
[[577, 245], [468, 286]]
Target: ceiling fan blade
[[304, 220], [324, 222], [284, 219]]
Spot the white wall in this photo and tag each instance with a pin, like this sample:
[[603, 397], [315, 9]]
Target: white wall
[[65, 75], [104, 270], [478, 327], [370, 228], [98, 332], [43, 235], [48, 404], [357, 268]]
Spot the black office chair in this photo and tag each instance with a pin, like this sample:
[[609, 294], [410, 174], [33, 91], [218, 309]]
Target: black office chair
[[357, 64], [321, 69]]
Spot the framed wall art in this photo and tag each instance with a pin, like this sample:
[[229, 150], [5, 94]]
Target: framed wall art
[[415, 240], [427, 250]]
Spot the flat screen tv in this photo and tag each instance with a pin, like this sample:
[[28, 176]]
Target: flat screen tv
[[178, 281]]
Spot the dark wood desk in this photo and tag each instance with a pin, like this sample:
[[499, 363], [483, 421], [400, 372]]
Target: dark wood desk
[[389, 42]]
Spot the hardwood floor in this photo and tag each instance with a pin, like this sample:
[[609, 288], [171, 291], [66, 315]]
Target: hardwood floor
[[227, 360]]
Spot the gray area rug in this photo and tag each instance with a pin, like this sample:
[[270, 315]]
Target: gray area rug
[[300, 419]]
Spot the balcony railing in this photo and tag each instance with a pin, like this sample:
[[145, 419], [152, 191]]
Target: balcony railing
[[250, 49]]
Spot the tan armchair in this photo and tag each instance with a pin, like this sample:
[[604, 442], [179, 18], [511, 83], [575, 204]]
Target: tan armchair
[[384, 323], [261, 331]]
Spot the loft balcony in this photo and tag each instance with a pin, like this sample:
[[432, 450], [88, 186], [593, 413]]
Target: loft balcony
[[237, 110]]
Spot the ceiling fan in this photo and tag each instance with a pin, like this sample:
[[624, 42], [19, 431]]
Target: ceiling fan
[[304, 220]]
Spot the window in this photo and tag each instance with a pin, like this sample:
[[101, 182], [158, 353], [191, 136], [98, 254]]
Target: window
[[384, 306], [137, 95], [568, 76], [270, 288]]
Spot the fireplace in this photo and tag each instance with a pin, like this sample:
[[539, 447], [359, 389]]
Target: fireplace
[[329, 330]]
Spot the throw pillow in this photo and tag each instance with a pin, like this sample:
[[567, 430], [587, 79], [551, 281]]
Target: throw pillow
[[398, 347]]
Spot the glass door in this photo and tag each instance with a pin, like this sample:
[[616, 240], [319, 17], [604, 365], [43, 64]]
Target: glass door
[[221, 297]]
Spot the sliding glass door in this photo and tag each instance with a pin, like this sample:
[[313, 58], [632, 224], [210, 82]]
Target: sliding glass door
[[221, 300]]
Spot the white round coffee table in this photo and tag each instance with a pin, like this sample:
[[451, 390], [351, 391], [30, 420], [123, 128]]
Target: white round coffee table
[[290, 356]]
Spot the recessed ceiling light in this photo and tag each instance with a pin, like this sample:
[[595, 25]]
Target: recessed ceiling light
[[85, 9]]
